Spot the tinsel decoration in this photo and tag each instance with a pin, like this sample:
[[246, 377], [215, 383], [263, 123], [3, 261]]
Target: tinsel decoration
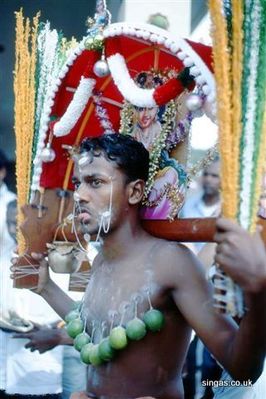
[[203, 163], [24, 83], [239, 39]]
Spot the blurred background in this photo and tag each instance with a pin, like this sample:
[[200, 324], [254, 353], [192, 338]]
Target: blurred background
[[184, 18]]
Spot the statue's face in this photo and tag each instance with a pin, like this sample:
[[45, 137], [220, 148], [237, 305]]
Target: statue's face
[[146, 116]]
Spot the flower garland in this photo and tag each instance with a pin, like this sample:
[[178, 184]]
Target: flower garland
[[126, 118], [224, 109], [146, 97], [192, 55], [75, 107], [229, 173], [179, 133], [250, 137], [211, 153], [52, 52], [46, 51], [126, 85], [25, 64], [173, 194], [241, 80]]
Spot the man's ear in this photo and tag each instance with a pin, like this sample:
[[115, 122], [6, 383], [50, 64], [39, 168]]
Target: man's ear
[[135, 191]]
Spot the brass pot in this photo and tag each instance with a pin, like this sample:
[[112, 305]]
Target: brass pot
[[64, 257]]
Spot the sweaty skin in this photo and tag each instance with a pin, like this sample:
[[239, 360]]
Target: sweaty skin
[[129, 262]]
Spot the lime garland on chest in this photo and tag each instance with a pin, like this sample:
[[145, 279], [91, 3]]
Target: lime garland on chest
[[119, 336]]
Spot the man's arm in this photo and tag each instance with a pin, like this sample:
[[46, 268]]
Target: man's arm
[[53, 295], [243, 257], [45, 339], [240, 352]]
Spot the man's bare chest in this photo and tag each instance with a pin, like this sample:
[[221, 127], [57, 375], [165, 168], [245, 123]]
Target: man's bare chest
[[116, 295]]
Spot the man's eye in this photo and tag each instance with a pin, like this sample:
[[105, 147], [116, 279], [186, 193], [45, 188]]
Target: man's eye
[[96, 182]]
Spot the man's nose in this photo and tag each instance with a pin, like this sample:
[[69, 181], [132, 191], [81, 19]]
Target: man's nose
[[82, 193]]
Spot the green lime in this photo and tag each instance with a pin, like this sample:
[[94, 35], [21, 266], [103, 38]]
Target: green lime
[[94, 355], [106, 352], [136, 329], [118, 338], [81, 340], [75, 327], [85, 353], [74, 314], [154, 320]]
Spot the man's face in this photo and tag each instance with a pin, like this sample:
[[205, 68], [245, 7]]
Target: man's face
[[211, 179], [146, 116], [95, 182]]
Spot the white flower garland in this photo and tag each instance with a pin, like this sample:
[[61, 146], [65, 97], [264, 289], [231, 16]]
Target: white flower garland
[[55, 60], [75, 107], [249, 122], [178, 47], [126, 85], [47, 50]]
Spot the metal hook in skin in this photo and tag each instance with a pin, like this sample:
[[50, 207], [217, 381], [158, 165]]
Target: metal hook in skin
[[76, 197]]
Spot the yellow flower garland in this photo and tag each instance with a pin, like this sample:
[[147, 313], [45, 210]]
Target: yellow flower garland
[[24, 90]]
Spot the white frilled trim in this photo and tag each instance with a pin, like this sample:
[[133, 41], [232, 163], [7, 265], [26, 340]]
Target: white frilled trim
[[205, 73], [188, 62], [75, 108], [126, 85], [180, 48], [194, 71]]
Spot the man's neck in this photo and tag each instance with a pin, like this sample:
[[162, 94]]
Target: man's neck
[[210, 200], [119, 242]]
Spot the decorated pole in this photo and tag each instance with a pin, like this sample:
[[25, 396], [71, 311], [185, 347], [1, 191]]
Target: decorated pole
[[238, 32]]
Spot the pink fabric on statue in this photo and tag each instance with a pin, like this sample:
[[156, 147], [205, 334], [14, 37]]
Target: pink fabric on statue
[[162, 210]]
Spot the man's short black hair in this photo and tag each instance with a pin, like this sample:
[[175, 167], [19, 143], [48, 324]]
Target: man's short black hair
[[129, 154]]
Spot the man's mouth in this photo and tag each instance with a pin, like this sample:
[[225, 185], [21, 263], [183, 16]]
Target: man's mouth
[[84, 215]]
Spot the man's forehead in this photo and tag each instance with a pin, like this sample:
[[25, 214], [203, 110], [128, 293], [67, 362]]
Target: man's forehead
[[213, 167], [96, 165]]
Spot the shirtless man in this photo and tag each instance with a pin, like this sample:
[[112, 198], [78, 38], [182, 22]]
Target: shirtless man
[[111, 175]]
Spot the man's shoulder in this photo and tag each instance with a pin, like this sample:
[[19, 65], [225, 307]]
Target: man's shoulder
[[172, 247], [174, 257]]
